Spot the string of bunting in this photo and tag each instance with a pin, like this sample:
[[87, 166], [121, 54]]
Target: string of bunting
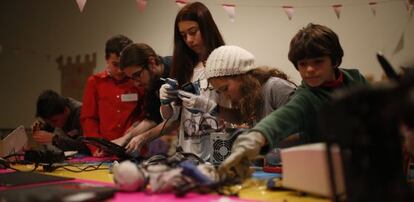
[[337, 8], [230, 9], [288, 9]]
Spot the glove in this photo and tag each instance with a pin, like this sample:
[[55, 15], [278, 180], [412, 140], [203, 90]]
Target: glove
[[245, 148], [196, 103], [168, 93]]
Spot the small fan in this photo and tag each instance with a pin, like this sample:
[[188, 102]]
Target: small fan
[[221, 143]]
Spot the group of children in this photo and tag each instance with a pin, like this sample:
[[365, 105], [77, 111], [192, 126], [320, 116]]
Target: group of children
[[130, 105]]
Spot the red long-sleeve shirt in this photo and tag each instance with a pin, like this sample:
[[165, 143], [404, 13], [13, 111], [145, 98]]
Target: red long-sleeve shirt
[[110, 106]]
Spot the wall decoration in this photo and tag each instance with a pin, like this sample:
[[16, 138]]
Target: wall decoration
[[74, 74]]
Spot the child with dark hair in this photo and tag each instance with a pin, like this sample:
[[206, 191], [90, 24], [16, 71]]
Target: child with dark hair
[[196, 35], [369, 124], [316, 53], [59, 124], [111, 102], [141, 64]]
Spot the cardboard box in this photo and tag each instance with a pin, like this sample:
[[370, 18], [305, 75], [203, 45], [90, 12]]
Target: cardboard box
[[305, 168]]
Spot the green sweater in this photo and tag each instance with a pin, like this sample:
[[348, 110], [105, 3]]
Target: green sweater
[[300, 114]]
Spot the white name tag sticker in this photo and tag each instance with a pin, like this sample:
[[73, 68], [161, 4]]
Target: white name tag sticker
[[129, 97]]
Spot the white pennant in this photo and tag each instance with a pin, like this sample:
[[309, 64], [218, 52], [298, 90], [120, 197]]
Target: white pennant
[[81, 4], [337, 9], [373, 6], [141, 4], [231, 10], [288, 11], [181, 3], [400, 45], [409, 4]]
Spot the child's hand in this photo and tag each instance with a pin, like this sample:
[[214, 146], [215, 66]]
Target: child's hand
[[98, 153], [43, 137], [37, 125]]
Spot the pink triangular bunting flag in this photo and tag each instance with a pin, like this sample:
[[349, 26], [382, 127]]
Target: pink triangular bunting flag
[[289, 11], [231, 10], [409, 4], [81, 4], [373, 6], [181, 3], [400, 45], [141, 5], [337, 9]]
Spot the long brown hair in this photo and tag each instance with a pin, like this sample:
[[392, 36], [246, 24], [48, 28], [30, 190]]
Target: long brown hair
[[184, 59], [251, 84]]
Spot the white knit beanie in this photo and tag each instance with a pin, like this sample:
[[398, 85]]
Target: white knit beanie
[[229, 60]]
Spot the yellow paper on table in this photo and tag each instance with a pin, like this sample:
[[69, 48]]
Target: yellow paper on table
[[256, 190]]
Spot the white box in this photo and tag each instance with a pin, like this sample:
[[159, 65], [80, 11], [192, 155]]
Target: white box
[[305, 168], [13, 142]]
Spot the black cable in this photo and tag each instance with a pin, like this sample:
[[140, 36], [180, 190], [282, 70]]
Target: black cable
[[16, 160], [51, 168], [205, 120], [13, 153], [163, 126]]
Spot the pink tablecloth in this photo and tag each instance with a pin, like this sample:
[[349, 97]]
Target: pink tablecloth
[[140, 196]]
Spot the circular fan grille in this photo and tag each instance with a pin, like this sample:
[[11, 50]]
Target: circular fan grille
[[222, 149]]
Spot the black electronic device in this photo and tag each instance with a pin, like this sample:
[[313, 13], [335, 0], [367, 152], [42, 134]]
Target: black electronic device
[[387, 67], [12, 179], [108, 146], [67, 191], [187, 87], [221, 144], [45, 154], [190, 87]]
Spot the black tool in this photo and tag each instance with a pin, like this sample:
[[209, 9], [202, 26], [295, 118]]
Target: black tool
[[108, 146], [387, 67], [45, 154]]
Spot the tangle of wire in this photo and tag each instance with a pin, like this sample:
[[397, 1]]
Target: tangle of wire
[[51, 167], [78, 169]]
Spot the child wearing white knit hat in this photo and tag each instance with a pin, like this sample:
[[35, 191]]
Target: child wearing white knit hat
[[229, 60], [254, 91]]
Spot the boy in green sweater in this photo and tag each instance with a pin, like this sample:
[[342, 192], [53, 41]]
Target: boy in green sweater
[[316, 53]]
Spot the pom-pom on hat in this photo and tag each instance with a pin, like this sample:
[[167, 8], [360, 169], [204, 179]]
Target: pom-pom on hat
[[228, 60]]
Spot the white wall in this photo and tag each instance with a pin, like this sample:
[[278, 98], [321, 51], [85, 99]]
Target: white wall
[[34, 33]]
